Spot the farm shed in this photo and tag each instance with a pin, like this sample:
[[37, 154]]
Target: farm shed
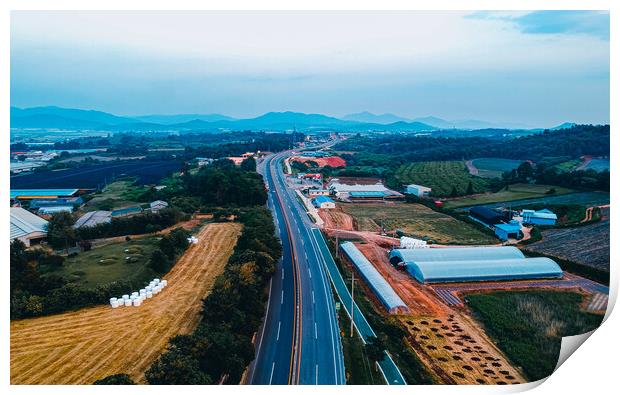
[[485, 215], [27, 227], [507, 231], [540, 217], [67, 201], [382, 289], [93, 218], [435, 265], [484, 270], [418, 190], [54, 209], [125, 212], [323, 202]]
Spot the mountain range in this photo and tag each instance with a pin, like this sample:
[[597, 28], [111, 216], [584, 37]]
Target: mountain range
[[51, 117]]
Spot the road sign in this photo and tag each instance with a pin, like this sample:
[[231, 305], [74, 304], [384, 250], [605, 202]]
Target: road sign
[[337, 306]]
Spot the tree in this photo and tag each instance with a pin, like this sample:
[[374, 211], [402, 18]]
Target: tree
[[470, 189], [115, 379], [249, 164], [174, 367], [454, 192], [375, 349], [159, 261], [60, 231]]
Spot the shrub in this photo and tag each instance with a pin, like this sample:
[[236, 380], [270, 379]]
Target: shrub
[[115, 379]]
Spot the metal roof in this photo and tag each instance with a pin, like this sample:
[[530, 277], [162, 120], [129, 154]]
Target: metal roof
[[127, 210], [323, 199], [484, 270], [15, 193], [367, 194], [373, 278], [456, 254], [93, 218], [23, 222], [54, 209]]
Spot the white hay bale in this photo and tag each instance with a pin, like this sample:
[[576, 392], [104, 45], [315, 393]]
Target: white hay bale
[[137, 302], [125, 297], [128, 302], [113, 300], [164, 282], [149, 295], [114, 304]]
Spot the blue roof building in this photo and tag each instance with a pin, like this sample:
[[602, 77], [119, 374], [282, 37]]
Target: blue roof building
[[540, 217], [507, 231], [124, 212], [41, 193], [323, 202]]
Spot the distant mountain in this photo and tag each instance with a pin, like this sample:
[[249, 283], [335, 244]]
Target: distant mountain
[[88, 116], [436, 122], [52, 121], [368, 117], [565, 125], [182, 118]]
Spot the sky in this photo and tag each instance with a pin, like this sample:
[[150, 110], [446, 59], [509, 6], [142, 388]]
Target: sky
[[538, 68]]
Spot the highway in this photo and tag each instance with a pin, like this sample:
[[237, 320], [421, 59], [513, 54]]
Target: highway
[[299, 342]]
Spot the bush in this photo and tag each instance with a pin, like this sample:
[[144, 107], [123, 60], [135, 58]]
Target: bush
[[115, 379], [159, 261]]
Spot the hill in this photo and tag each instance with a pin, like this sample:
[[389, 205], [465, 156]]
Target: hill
[[369, 117]]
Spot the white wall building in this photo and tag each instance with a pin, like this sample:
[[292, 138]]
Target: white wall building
[[27, 227]]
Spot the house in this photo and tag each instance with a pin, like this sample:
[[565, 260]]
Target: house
[[540, 217], [93, 218], [418, 190], [323, 202], [158, 205], [27, 227], [318, 192], [511, 230]]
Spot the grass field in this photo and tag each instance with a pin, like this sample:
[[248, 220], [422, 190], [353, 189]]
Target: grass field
[[494, 167], [115, 195], [82, 346], [568, 165], [514, 192], [528, 326], [108, 263], [441, 177], [416, 220]]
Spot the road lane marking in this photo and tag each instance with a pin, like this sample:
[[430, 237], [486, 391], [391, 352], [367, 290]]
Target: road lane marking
[[309, 273], [278, 336], [273, 365], [316, 379], [312, 297], [282, 298], [282, 273], [316, 332]]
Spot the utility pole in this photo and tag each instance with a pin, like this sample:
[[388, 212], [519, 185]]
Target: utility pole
[[352, 298]]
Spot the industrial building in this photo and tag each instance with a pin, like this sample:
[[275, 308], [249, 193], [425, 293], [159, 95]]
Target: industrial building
[[381, 288], [126, 212], [93, 218], [27, 227], [361, 189], [74, 202], [54, 209], [511, 230], [540, 217], [318, 192], [468, 264], [323, 202], [29, 194], [418, 190], [485, 215]]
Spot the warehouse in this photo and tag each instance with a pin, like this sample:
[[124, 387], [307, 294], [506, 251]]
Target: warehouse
[[51, 210], [418, 190], [323, 202], [438, 265], [540, 217], [75, 202], [27, 227], [354, 188], [511, 230], [93, 218], [485, 215], [28, 194], [381, 288]]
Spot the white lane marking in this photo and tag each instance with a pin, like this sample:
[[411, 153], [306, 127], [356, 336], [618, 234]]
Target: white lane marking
[[282, 273], [316, 380], [278, 336], [316, 332], [282, 298], [312, 297], [309, 273], [306, 255], [273, 365]]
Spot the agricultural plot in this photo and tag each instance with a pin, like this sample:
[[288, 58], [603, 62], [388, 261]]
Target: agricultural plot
[[123, 260], [588, 245], [441, 177], [586, 199], [147, 172], [515, 192], [82, 346], [493, 167], [529, 325], [416, 220], [115, 195]]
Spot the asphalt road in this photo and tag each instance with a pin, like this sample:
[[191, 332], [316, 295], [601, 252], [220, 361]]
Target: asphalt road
[[299, 342]]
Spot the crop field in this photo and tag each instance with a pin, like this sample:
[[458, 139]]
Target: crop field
[[82, 346], [494, 167], [588, 245], [147, 172], [529, 325], [441, 177], [586, 199], [416, 220], [123, 260], [115, 195], [514, 192]]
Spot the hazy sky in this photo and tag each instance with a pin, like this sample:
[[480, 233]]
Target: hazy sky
[[536, 68]]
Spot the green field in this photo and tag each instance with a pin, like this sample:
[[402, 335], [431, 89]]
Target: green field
[[441, 177], [568, 165], [108, 263], [416, 220], [494, 167], [115, 195], [514, 192], [528, 326]]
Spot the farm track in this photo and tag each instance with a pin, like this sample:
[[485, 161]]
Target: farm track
[[82, 346]]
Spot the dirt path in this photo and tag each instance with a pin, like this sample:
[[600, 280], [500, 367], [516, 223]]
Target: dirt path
[[473, 170], [82, 346]]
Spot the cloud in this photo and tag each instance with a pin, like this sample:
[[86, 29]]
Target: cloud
[[594, 23]]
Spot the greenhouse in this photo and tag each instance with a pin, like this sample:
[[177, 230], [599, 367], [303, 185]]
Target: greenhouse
[[392, 302], [437, 265]]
